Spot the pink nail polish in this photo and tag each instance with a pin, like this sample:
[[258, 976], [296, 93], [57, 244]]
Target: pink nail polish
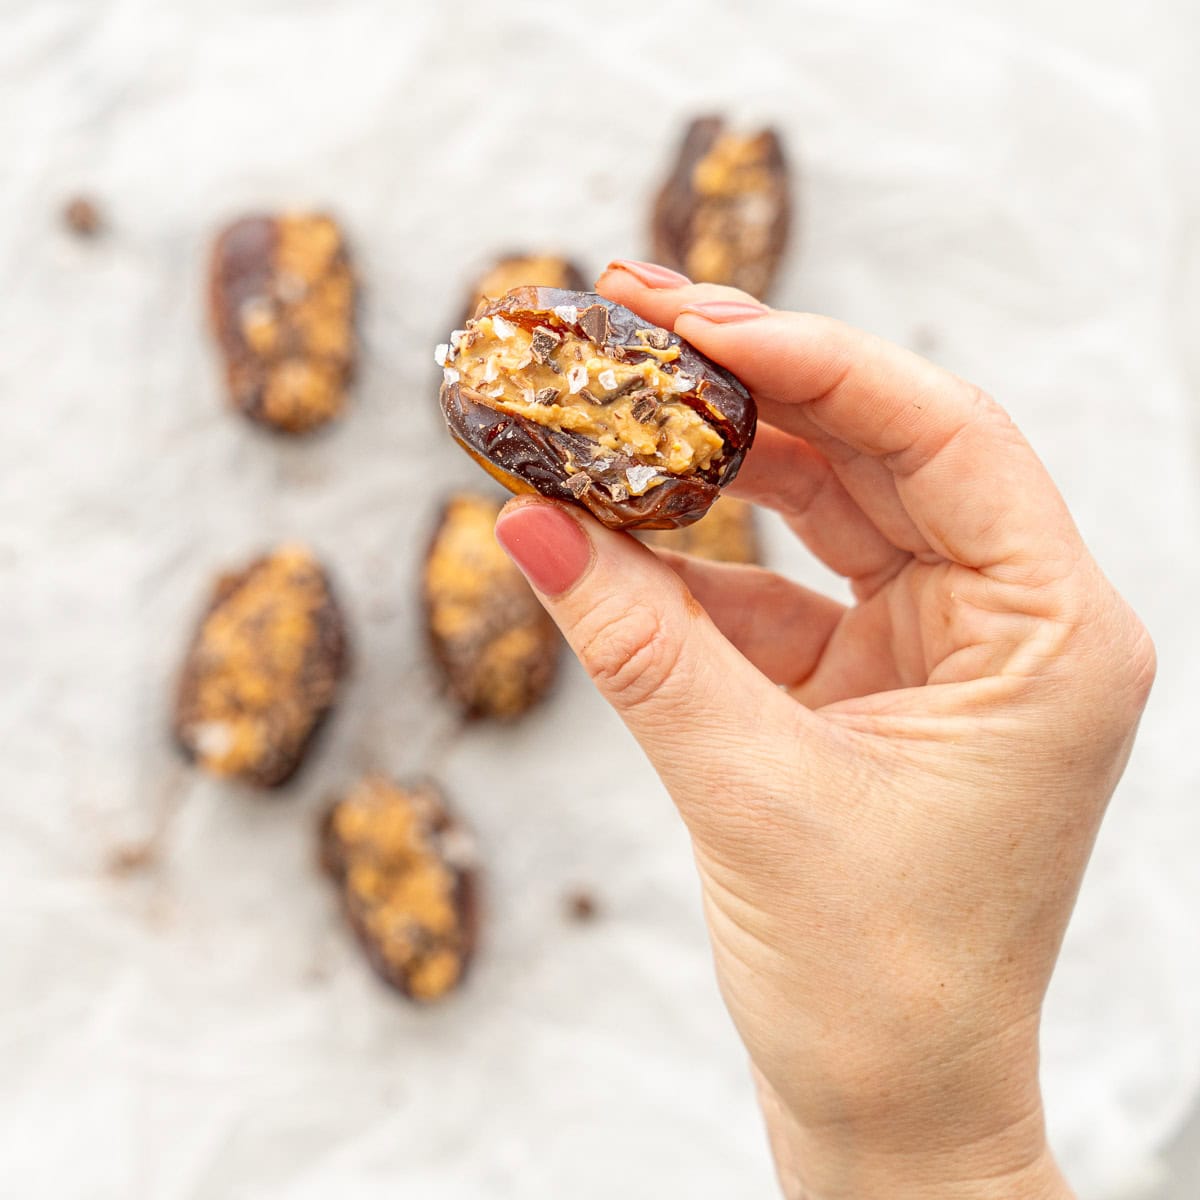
[[651, 274], [547, 544], [725, 312]]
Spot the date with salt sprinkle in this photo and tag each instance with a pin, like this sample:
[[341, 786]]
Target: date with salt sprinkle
[[576, 397]]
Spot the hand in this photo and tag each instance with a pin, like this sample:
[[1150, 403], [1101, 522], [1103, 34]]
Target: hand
[[891, 804]]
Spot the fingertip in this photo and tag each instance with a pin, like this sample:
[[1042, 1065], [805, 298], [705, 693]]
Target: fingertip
[[546, 542]]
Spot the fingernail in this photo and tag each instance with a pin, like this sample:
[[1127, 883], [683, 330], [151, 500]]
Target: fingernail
[[725, 312], [651, 274], [548, 544]]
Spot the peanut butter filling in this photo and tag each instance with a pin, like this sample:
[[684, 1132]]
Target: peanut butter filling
[[558, 379]]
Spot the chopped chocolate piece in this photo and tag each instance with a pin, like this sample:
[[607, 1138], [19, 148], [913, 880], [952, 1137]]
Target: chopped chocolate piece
[[408, 877], [82, 217], [578, 484], [728, 532], [595, 324], [723, 214], [658, 468], [522, 270], [282, 298], [548, 395], [545, 342], [645, 404], [497, 648], [263, 669]]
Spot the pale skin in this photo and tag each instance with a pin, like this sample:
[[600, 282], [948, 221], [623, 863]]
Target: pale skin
[[892, 803]]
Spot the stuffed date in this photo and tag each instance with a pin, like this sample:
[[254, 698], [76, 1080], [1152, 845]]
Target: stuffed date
[[570, 395]]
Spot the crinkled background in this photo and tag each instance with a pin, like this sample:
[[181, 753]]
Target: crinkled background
[[1011, 192]]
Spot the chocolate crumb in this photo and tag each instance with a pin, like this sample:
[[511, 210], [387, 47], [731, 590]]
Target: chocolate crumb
[[618, 491], [578, 484], [590, 397], [595, 323], [657, 339], [132, 858], [548, 395], [581, 906], [82, 217]]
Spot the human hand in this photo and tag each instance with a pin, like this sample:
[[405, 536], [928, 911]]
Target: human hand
[[891, 842]]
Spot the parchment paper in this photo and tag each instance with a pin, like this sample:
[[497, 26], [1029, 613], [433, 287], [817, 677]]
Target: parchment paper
[[1001, 191]]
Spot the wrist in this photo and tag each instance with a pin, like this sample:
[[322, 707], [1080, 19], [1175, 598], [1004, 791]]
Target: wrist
[[1010, 1163]]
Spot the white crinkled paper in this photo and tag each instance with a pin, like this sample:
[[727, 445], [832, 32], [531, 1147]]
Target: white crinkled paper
[[206, 1029]]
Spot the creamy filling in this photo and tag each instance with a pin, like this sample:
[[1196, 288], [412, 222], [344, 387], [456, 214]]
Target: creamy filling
[[558, 379]]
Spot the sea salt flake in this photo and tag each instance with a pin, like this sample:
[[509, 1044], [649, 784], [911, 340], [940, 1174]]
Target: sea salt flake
[[577, 378], [441, 354]]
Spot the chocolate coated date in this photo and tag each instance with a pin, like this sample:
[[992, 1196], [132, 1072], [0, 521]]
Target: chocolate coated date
[[407, 873], [568, 394], [494, 642], [282, 298], [723, 214], [262, 670]]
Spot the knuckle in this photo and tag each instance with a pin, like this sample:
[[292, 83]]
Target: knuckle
[[628, 653]]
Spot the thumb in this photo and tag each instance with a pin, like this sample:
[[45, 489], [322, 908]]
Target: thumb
[[708, 720]]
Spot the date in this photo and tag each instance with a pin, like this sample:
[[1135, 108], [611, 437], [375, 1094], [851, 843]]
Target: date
[[282, 300], [523, 270], [408, 877], [728, 532], [262, 670], [570, 395], [497, 648], [724, 212]]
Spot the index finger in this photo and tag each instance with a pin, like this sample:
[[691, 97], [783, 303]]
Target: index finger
[[971, 483]]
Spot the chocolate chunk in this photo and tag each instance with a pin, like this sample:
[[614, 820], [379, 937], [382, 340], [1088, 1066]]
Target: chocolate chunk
[[262, 670], [545, 342], [645, 405], [407, 872], [657, 339], [548, 395], [578, 484], [594, 322]]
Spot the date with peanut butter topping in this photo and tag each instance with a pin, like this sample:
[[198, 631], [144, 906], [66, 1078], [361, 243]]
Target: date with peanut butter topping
[[523, 270], [570, 395], [497, 647], [724, 212], [263, 669], [282, 298], [406, 870], [728, 532]]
